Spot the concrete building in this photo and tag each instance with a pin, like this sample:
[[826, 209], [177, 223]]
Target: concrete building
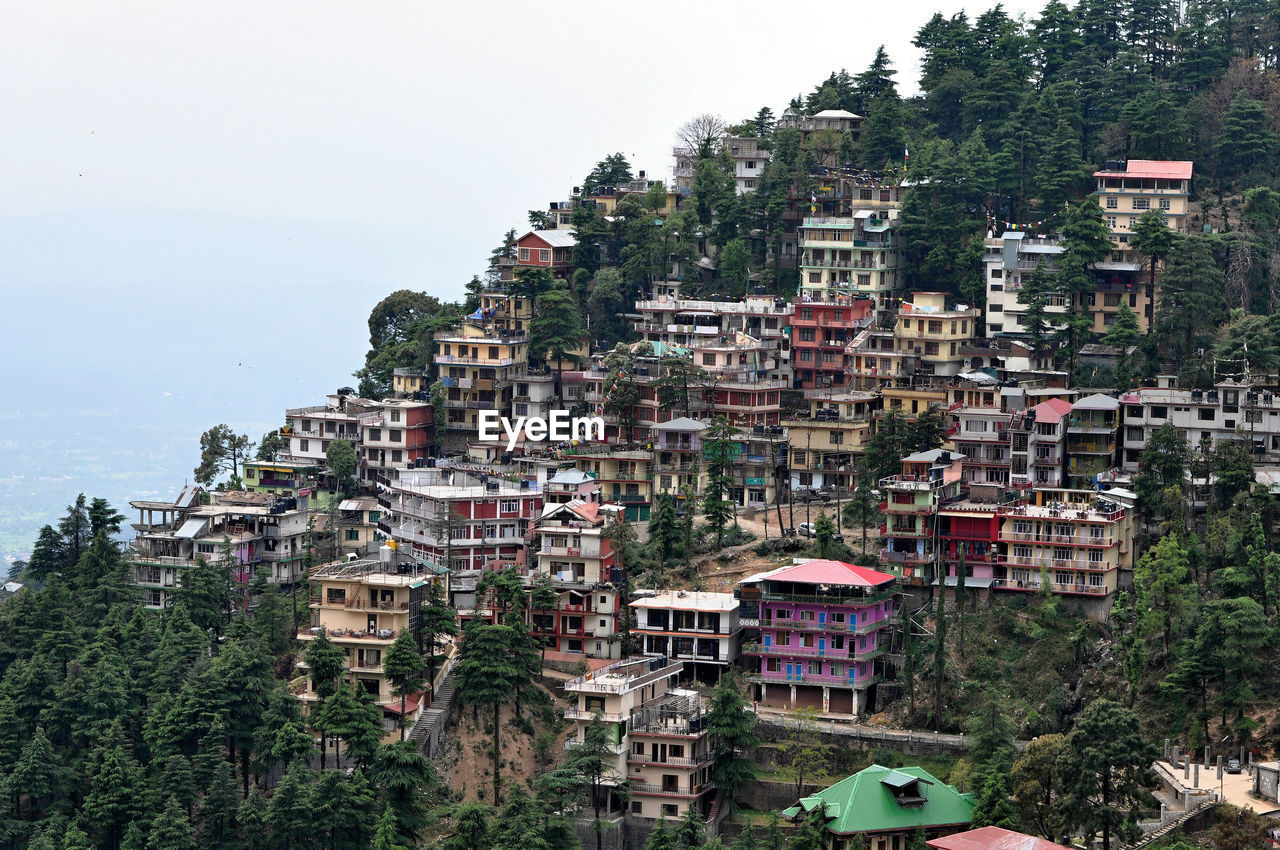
[[478, 367], [827, 441], [1092, 429], [658, 734], [677, 455], [697, 627], [362, 605], [624, 473], [981, 435], [823, 625], [1038, 445], [911, 502], [748, 161], [456, 519], [1009, 262], [1079, 541], [854, 255], [357, 526], [934, 333], [821, 334], [573, 551], [1231, 411]]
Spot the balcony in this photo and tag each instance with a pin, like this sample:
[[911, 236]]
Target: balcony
[[904, 531], [615, 749], [914, 483], [832, 628], [812, 679], [854, 601], [670, 790], [1033, 586], [892, 508], [606, 716], [635, 758]]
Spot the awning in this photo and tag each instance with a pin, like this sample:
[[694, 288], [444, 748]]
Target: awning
[[191, 528]]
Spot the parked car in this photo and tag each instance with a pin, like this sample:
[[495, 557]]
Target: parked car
[[807, 529], [808, 494], [1233, 765]]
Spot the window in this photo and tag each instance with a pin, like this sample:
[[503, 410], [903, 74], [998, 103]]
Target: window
[[303, 446], [353, 534], [396, 434], [396, 455], [510, 506], [836, 437], [1205, 414], [544, 256], [1164, 203], [204, 548], [751, 163], [395, 416], [375, 434], [997, 273], [708, 360], [637, 808], [807, 334], [1159, 413], [250, 472], [1113, 203], [815, 277], [997, 308], [524, 255], [1141, 203], [1111, 222], [669, 810], [1095, 556], [815, 668]]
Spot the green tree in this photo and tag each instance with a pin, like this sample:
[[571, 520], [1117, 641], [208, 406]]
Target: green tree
[[326, 663], [221, 451], [1191, 301], [470, 828], [556, 331], [115, 789], [803, 750], [272, 445], [1123, 334], [1246, 143], [385, 835], [37, 779], [662, 529], [861, 509], [612, 171], [342, 460], [171, 830], [289, 817], [731, 733], [1104, 768], [1166, 597], [735, 268], [586, 776], [403, 668], [1152, 235], [1035, 783], [824, 531], [520, 825], [720, 448], [484, 675], [437, 620], [403, 776]]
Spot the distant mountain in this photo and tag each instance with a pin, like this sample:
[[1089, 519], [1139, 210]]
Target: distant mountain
[[128, 332]]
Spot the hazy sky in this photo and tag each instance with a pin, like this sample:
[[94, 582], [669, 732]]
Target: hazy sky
[[447, 119]]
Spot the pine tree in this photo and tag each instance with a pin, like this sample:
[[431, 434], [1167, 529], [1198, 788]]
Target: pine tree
[[438, 620], [484, 676], [403, 775], [403, 667], [215, 816], [326, 663], [690, 830], [171, 830], [720, 449], [115, 789], [37, 778], [289, 816], [662, 529], [471, 828], [1191, 303], [251, 821], [386, 836], [519, 826], [731, 732], [939, 658]]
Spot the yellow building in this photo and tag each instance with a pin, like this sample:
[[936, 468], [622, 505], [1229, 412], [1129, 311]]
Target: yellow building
[[478, 367], [362, 605], [827, 443], [1077, 540], [934, 333]]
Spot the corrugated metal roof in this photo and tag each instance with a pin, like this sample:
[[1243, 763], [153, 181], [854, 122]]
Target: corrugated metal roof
[[554, 238], [1097, 401], [1051, 412], [191, 528], [823, 571], [865, 803], [991, 838], [1158, 168]]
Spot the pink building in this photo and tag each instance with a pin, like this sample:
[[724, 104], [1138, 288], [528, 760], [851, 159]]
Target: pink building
[[823, 625]]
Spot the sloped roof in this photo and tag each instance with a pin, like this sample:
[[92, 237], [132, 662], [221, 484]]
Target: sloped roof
[[1161, 169], [1051, 412], [684, 423], [865, 802], [553, 238], [835, 113], [570, 476], [991, 838], [932, 456], [590, 511], [1097, 401], [824, 571]]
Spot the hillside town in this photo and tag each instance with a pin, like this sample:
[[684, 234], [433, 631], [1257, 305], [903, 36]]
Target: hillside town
[[857, 486]]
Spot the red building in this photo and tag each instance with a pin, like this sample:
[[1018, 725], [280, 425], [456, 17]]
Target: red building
[[820, 334], [574, 553], [442, 517], [547, 249], [400, 433]]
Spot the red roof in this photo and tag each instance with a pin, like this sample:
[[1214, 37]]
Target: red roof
[[1162, 169], [830, 572], [991, 838], [589, 511], [1051, 412], [410, 705]]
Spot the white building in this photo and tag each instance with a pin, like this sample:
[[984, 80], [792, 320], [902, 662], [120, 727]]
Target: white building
[[1009, 262], [702, 629]]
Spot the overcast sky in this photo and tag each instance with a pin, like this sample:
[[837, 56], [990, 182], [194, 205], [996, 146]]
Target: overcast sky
[[449, 120]]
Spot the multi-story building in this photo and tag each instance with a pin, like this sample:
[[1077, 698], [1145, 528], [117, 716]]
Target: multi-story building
[[395, 433], [969, 531], [356, 526], [1125, 191], [570, 484], [657, 733], [689, 323], [875, 360], [578, 558], [1128, 189], [840, 120], [677, 455], [1231, 411], [911, 503], [826, 442], [1078, 541], [411, 382], [934, 333], [748, 161], [311, 429], [823, 625], [547, 249], [1038, 438], [624, 473], [1009, 262], [697, 627], [455, 519], [854, 255], [821, 333], [1092, 428], [260, 534], [981, 435], [478, 367], [362, 605], [273, 477]]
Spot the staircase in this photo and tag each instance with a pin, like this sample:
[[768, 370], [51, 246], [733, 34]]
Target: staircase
[[430, 726], [859, 339]]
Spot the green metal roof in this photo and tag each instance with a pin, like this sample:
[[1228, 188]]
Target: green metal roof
[[867, 802]]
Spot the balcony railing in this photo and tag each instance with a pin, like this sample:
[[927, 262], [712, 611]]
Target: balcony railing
[[671, 790], [636, 758], [834, 628], [1055, 587], [782, 678], [815, 599]]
